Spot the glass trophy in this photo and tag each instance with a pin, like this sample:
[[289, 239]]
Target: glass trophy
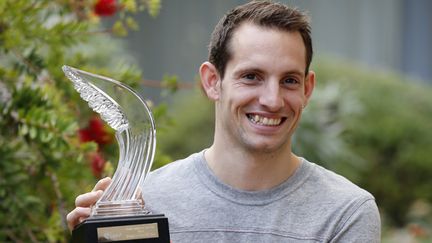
[[120, 215]]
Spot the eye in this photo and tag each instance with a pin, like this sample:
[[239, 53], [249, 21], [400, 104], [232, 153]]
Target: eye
[[250, 76], [290, 81]]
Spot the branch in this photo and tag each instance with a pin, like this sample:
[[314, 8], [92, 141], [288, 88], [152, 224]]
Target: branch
[[60, 200], [12, 236], [95, 32], [31, 235], [78, 7], [24, 60], [30, 66]]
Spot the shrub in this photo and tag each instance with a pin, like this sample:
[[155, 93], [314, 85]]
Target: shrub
[[43, 165]]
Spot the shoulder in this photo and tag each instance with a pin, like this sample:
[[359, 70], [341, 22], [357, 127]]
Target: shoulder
[[328, 190], [355, 210], [333, 184]]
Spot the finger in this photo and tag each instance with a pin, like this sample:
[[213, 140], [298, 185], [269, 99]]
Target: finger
[[139, 193], [102, 184], [76, 216], [140, 197], [88, 199]]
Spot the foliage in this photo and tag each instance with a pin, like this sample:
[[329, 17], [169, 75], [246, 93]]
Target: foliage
[[319, 135], [192, 130], [393, 136], [43, 163], [372, 127]]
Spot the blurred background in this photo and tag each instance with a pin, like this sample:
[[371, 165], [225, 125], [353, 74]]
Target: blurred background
[[384, 35], [369, 119]]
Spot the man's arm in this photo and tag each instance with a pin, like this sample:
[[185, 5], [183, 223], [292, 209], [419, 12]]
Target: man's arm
[[364, 225], [84, 201]]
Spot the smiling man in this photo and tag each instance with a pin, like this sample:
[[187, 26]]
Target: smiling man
[[249, 186], [259, 100]]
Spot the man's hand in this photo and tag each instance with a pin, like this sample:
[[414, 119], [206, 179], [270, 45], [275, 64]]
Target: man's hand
[[84, 202]]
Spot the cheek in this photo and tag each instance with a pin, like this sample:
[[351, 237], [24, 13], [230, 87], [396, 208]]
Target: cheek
[[239, 98], [294, 102]]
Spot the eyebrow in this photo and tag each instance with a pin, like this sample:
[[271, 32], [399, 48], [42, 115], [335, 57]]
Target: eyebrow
[[299, 73], [259, 70], [246, 69]]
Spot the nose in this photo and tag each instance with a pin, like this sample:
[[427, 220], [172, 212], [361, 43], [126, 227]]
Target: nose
[[271, 96]]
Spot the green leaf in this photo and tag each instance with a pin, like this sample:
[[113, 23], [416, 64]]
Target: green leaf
[[131, 23], [130, 5], [23, 129], [32, 132], [45, 136], [119, 29], [153, 7]]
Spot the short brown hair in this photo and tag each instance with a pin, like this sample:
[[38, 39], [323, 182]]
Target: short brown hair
[[262, 13]]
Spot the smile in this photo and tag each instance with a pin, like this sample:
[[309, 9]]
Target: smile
[[265, 121]]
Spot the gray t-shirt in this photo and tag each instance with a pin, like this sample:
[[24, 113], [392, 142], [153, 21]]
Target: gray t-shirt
[[313, 205]]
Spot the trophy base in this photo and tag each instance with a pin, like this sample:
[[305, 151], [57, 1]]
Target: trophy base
[[144, 228]]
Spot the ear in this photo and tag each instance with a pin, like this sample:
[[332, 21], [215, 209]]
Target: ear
[[309, 86], [210, 80]]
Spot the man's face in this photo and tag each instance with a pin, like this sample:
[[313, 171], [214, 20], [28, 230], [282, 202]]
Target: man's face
[[264, 89]]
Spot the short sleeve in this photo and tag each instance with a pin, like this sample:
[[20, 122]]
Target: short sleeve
[[364, 225]]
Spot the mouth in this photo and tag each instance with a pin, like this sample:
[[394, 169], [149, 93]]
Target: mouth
[[265, 121]]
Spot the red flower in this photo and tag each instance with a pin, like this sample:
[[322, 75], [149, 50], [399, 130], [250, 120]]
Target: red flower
[[105, 7], [97, 164], [96, 132]]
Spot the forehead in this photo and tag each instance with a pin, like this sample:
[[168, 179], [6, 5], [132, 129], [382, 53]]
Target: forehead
[[267, 46]]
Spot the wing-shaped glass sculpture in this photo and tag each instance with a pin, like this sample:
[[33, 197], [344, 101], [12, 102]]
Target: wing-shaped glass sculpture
[[127, 113]]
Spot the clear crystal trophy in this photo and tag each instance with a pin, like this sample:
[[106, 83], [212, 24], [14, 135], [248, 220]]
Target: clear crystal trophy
[[120, 214]]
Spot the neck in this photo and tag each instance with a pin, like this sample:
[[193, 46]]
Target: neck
[[251, 171]]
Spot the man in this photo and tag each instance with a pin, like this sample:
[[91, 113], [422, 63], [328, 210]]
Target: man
[[249, 186]]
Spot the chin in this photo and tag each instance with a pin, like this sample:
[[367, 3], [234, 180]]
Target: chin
[[266, 147]]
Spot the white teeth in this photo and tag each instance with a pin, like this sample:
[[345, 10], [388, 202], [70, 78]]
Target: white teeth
[[265, 120]]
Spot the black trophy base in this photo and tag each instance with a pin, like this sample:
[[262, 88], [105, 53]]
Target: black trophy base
[[145, 228]]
